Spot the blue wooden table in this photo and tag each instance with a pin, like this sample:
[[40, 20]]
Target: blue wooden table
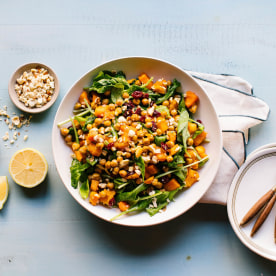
[[43, 231]]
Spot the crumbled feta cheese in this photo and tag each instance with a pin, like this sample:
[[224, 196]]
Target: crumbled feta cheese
[[25, 137], [131, 133], [150, 110], [121, 119]]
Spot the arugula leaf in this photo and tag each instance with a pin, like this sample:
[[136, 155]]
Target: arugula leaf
[[141, 164], [162, 201], [131, 196], [182, 128], [116, 92], [77, 169], [139, 206], [161, 108], [84, 189], [120, 183], [170, 91], [160, 139]]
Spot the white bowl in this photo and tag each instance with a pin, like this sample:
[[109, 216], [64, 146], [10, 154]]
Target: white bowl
[[14, 97], [133, 66]]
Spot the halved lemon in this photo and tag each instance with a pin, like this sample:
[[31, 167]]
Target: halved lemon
[[4, 190], [28, 167]]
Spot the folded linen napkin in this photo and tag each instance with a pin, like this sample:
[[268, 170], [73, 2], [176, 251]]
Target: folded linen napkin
[[238, 110]]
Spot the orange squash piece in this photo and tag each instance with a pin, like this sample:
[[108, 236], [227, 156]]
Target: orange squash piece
[[192, 127], [162, 124], [144, 78], [106, 199], [84, 97], [190, 99], [79, 155], [171, 185], [123, 206], [160, 86], [151, 170], [200, 138], [192, 177], [94, 150]]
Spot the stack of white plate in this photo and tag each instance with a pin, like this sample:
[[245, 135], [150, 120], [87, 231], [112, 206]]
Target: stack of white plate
[[255, 177]]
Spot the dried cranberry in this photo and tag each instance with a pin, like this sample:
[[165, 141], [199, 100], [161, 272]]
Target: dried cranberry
[[199, 121], [154, 126], [112, 202], [164, 146], [137, 94], [142, 119], [152, 103], [129, 105], [110, 145], [164, 179], [156, 113], [138, 111], [145, 95], [128, 113]]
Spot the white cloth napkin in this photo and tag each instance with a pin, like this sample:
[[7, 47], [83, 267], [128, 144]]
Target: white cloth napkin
[[238, 110]]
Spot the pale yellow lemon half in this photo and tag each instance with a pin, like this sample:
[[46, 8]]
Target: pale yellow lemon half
[[4, 190], [28, 167]]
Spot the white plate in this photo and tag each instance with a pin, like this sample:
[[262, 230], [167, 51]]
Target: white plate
[[255, 177], [267, 146], [133, 66]]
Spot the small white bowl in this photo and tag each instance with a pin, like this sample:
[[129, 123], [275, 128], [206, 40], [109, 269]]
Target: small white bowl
[[14, 97]]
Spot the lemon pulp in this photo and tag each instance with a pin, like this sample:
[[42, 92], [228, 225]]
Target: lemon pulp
[[28, 167], [4, 190]]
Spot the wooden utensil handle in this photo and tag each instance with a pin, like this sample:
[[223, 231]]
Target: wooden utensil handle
[[257, 207], [263, 215]]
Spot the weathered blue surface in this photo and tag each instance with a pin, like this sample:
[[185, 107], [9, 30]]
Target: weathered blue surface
[[44, 231]]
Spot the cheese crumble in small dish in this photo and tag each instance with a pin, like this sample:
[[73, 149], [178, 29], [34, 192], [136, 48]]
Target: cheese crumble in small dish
[[33, 87]]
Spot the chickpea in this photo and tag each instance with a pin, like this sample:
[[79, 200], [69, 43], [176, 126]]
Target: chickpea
[[96, 176], [117, 127], [112, 107], [170, 144], [110, 185], [105, 101], [148, 124], [125, 95], [80, 132], [64, 131], [190, 141], [119, 102], [77, 106], [169, 159], [118, 111], [140, 133], [148, 119], [128, 155], [122, 173], [116, 170], [135, 117], [98, 121], [146, 141], [99, 145], [171, 128], [151, 138], [173, 112], [108, 165], [144, 113], [176, 118], [119, 159], [102, 162], [145, 101], [164, 113], [83, 150], [107, 123], [159, 131], [139, 181], [119, 153], [102, 193], [166, 103], [68, 138], [135, 138], [89, 126], [136, 101], [75, 146], [107, 93], [114, 163]]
